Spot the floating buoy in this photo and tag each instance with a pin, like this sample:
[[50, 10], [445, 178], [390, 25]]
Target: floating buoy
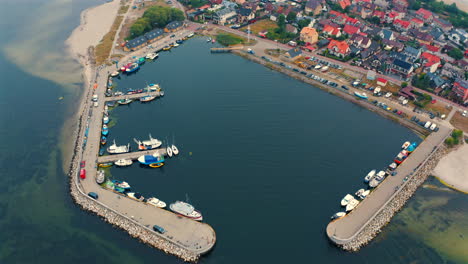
[[190, 153], [156, 165]]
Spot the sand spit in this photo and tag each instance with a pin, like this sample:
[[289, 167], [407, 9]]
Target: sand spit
[[453, 169]]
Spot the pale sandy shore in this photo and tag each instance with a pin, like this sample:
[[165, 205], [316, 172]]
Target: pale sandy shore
[[95, 23], [461, 4], [453, 169]]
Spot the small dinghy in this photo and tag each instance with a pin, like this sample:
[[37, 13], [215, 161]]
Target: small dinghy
[[156, 165], [123, 162], [169, 151], [175, 150]]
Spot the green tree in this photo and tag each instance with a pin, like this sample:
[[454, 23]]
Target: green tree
[[404, 84], [282, 21], [291, 17], [457, 133], [374, 20], [456, 54], [449, 141], [303, 23]]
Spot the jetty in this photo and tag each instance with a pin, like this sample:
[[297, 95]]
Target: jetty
[[347, 232], [132, 96], [131, 155], [226, 49]]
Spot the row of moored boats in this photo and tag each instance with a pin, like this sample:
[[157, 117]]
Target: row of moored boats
[[374, 178]]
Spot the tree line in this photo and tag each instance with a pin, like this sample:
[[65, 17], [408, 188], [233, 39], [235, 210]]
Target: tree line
[[155, 17]]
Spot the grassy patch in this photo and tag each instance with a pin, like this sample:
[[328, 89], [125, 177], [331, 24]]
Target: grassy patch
[[262, 25], [123, 9], [104, 47], [227, 39], [460, 122]]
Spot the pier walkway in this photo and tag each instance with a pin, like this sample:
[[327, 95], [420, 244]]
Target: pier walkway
[[343, 230], [227, 49], [131, 155], [132, 96]]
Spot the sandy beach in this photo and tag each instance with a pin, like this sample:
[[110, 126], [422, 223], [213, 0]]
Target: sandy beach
[[461, 4], [95, 23], [453, 169]]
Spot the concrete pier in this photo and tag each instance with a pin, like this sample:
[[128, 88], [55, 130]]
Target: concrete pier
[[132, 96], [345, 231], [131, 155]]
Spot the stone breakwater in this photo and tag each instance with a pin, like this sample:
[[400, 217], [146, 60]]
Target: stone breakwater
[[396, 204], [116, 219]]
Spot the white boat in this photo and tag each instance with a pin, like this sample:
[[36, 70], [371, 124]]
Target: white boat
[[392, 166], [406, 144], [369, 176], [153, 87], [114, 74], [156, 202], [100, 177], [361, 95], [122, 184], [318, 66], [105, 119], [338, 215], [175, 150], [123, 162], [359, 192], [187, 210], [114, 149], [175, 45], [151, 143], [351, 205], [364, 194], [190, 35], [208, 39], [152, 56], [373, 183], [346, 199], [169, 151], [135, 196], [380, 176], [324, 69]]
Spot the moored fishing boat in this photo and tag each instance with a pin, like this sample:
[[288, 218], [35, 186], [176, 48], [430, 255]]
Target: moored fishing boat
[[105, 132], [115, 74], [147, 98], [167, 48], [151, 143], [153, 87], [351, 205], [121, 184], [190, 35], [175, 45], [133, 67], [175, 150], [123, 162], [125, 67], [141, 60], [346, 199], [369, 176], [392, 166], [155, 202], [150, 159], [208, 39], [360, 95], [338, 215], [103, 140], [373, 183], [187, 210], [135, 196], [364, 194], [100, 177], [405, 145], [152, 56], [105, 120], [179, 41], [114, 149], [124, 101]]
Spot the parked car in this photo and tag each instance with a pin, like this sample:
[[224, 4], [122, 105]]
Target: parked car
[[93, 195], [159, 229]]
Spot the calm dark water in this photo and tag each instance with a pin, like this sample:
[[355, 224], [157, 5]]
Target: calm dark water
[[264, 157]]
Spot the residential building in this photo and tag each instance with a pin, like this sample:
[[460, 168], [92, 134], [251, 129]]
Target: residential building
[[338, 48], [309, 35], [412, 53], [382, 82], [443, 24], [223, 16], [293, 54], [401, 25], [400, 68], [291, 29], [136, 43], [424, 15], [154, 35], [350, 30], [314, 7], [416, 23], [387, 34], [174, 26], [460, 89], [244, 15], [331, 31], [360, 41], [430, 62]]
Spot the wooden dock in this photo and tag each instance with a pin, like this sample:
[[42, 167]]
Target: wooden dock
[[132, 96], [227, 49], [131, 155]]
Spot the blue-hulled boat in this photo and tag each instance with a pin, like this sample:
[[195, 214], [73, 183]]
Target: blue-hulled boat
[[105, 132], [133, 67], [150, 159], [360, 95], [103, 140]]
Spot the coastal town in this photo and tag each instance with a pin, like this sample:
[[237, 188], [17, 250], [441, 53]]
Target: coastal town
[[396, 58]]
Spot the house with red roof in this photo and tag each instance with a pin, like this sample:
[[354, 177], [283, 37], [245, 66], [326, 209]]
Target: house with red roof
[[338, 48], [352, 21], [216, 2], [382, 82], [401, 25], [431, 48], [391, 16], [344, 3], [350, 30], [338, 17], [331, 31], [460, 89], [424, 15], [430, 62], [416, 23], [379, 14]]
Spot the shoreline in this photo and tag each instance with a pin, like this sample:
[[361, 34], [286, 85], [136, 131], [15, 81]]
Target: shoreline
[[452, 171]]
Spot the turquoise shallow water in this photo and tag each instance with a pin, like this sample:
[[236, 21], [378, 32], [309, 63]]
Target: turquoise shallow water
[[270, 160]]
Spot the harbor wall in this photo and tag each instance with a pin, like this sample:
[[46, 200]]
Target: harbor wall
[[109, 215]]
